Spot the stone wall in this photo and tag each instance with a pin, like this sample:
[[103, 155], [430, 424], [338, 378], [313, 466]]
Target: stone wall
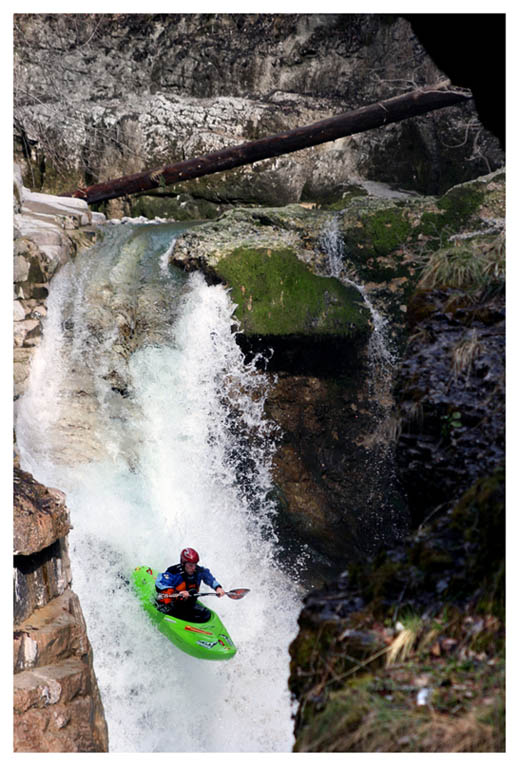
[[98, 96], [57, 705]]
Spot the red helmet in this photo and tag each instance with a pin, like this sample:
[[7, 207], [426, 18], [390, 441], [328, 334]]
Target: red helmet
[[189, 555]]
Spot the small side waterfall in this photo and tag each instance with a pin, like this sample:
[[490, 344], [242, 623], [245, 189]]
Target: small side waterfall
[[142, 409], [381, 353], [381, 367]]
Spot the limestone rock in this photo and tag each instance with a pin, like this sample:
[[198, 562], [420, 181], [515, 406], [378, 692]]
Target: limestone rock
[[181, 85], [17, 189], [64, 207], [55, 710], [40, 515], [51, 634], [57, 706], [48, 231]]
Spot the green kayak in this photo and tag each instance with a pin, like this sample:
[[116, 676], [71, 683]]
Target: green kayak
[[207, 640]]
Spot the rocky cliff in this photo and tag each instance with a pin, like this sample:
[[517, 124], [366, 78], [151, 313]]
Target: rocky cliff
[[57, 706], [405, 651], [112, 94]]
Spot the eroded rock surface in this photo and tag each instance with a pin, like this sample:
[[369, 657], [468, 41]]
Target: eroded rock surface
[[143, 90], [57, 706]]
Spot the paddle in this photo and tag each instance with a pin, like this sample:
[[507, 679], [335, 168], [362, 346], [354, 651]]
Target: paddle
[[235, 594]]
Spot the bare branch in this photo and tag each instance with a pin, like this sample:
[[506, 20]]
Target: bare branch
[[375, 115]]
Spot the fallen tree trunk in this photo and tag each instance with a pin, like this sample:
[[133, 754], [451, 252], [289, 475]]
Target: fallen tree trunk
[[366, 118]]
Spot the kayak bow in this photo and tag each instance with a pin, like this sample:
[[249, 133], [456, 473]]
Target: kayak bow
[[207, 640]]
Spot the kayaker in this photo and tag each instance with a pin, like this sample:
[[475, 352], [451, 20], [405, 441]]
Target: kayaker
[[176, 585]]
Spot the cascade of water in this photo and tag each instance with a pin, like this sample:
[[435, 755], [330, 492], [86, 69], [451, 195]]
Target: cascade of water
[[141, 408], [381, 354], [381, 362]]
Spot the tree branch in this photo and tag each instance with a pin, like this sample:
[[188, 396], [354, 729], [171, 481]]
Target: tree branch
[[376, 115]]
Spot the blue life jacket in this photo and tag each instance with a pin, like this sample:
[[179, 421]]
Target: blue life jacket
[[164, 581], [175, 577]]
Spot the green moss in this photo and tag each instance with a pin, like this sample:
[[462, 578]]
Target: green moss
[[461, 202], [276, 294], [457, 207], [387, 230], [376, 240]]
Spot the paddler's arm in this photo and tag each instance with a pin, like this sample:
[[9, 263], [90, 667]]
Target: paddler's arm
[[213, 583]]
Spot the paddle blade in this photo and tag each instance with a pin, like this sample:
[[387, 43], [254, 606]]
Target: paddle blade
[[237, 593]]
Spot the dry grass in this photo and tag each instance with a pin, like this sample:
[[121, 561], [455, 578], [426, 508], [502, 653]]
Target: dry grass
[[464, 353], [446, 734], [422, 732], [441, 690], [465, 266], [404, 643], [361, 720]]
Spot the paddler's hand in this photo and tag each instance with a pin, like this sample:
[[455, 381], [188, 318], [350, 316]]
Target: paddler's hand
[[183, 594], [220, 592]]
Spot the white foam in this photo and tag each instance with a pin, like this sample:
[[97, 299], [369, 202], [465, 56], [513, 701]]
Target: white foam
[[183, 460]]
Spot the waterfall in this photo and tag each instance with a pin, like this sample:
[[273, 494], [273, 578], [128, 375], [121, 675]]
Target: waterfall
[[140, 407], [381, 367], [381, 354]]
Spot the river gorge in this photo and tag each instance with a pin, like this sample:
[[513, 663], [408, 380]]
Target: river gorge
[[295, 367]]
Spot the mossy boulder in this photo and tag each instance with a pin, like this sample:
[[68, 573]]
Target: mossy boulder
[[277, 294]]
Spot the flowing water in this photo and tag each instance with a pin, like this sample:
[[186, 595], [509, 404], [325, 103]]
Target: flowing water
[[381, 367], [381, 354], [141, 408]]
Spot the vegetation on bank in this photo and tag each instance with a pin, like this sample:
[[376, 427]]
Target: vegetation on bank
[[406, 652]]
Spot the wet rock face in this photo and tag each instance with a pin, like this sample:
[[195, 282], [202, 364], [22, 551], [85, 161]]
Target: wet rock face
[[136, 85], [452, 394], [342, 484], [338, 493], [336, 490], [57, 706]]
